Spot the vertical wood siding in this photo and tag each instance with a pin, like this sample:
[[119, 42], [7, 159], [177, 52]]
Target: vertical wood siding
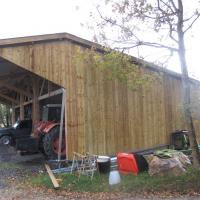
[[105, 116]]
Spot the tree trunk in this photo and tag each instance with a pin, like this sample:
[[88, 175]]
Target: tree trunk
[[186, 87]]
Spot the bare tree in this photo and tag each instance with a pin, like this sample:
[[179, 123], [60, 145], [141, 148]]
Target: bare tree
[[169, 20]]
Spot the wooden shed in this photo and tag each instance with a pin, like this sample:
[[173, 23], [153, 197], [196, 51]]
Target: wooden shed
[[102, 116]]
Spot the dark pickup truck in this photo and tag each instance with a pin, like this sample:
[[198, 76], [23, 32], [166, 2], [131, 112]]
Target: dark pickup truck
[[20, 130]]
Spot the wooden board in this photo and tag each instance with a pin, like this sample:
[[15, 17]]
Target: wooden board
[[52, 177]]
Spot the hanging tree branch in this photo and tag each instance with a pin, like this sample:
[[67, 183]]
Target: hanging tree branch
[[190, 26]]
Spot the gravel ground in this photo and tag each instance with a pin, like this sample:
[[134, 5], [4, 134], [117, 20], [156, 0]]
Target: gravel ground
[[21, 193], [16, 168]]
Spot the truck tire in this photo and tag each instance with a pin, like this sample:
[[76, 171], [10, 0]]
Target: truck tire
[[51, 144], [5, 140]]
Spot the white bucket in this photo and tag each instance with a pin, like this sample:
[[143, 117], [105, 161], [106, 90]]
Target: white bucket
[[114, 177], [103, 159]]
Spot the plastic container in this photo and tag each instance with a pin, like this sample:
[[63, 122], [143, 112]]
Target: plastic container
[[114, 178], [127, 163], [103, 163]]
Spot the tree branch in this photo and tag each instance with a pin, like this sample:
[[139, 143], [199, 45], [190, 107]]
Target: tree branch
[[174, 6], [112, 22], [168, 6], [159, 8], [171, 32], [189, 18], [157, 45], [150, 44], [191, 23]]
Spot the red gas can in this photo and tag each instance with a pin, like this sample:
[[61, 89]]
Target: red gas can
[[127, 163]]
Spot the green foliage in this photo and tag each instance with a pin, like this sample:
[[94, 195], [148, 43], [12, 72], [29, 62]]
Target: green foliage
[[115, 65], [5, 116], [129, 183]]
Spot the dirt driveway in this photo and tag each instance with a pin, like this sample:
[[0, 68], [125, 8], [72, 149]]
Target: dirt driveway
[[15, 168]]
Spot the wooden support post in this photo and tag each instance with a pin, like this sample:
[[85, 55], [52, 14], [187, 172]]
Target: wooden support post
[[35, 105], [49, 86], [61, 125], [13, 114], [42, 87], [21, 109]]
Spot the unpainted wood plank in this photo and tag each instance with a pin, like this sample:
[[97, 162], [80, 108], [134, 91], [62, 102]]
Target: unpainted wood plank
[[101, 110], [52, 177], [88, 100], [81, 105], [131, 119], [72, 105]]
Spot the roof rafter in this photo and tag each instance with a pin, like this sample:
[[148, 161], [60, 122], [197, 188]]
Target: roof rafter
[[9, 98]]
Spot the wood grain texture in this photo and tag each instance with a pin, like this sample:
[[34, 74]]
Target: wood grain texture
[[104, 116], [52, 177]]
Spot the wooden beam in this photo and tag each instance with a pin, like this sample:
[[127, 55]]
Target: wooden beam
[[49, 86], [13, 114], [21, 109], [9, 99], [45, 96], [61, 124], [25, 103], [16, 89], [35, 107], [42, 87], [51, 94]]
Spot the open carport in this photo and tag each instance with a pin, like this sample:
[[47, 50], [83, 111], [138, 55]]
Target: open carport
[[32, 99], [25, 92]]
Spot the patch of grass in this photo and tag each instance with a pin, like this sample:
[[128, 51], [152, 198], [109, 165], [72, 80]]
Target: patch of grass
[[143, 182]]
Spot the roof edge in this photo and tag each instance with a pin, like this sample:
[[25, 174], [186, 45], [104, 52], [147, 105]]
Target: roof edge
[[45, 38], [67, 36]]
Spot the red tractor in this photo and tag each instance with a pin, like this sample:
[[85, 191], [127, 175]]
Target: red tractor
[[42, 137]]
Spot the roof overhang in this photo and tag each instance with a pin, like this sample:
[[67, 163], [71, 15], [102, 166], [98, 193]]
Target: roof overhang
[[46, 38]]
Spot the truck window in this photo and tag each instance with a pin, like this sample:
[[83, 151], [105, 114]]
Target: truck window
[[25, 124]]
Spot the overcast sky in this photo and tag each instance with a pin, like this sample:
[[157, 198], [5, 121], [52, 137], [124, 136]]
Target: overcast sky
[[33, 17]]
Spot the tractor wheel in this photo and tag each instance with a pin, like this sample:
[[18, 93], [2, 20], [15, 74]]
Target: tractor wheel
[[51, 144]]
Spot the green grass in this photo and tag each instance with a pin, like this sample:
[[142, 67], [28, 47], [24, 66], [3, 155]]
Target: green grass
[[190, 181]]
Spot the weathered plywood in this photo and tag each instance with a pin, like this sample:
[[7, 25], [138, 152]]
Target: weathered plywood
[[104, 116]]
